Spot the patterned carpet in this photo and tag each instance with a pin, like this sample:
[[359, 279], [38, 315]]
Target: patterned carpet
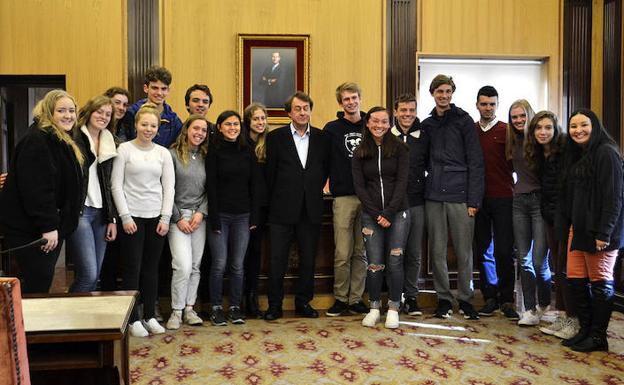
[[423, 350]]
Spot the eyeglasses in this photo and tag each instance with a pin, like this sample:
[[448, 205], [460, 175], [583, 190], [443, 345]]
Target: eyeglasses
[[231, 124]]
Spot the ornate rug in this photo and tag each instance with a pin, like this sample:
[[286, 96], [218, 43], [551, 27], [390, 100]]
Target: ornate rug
[[423, 350]]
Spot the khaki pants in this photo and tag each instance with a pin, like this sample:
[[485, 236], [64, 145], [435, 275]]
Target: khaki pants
[[349, 259]]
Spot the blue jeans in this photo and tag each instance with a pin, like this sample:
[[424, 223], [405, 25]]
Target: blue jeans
[[87, 247], [385, 248], [529, 226], [228, 245]]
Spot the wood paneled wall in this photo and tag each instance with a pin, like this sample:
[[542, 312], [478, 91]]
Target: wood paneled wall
[[84, 40], [495, 27], [347, 43]]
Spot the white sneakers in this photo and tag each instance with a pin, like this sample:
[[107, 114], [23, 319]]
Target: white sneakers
[[371, 318], [144, 328], [569, 329], [191, 318], [153, 326], [137, 329], [174, 320], [556, 326], [529, 318], [392, 319]]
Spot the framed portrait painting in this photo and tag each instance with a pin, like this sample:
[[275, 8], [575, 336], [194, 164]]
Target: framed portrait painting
[[270, 69]]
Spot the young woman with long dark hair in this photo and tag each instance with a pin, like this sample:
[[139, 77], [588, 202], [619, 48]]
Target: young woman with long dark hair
[[593, 205], [380, 173], [230, 178], [544, 152]]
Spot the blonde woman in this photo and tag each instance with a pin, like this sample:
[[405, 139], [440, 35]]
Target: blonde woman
[[41, 198], [143, 189], [187, 234]]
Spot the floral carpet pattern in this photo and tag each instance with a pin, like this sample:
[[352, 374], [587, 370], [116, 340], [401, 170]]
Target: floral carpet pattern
[[423, 350]]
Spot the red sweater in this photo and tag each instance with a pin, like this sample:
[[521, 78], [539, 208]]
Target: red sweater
[[498, 170]]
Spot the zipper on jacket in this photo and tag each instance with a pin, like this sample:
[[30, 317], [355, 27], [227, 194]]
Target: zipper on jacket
[[383, 203]]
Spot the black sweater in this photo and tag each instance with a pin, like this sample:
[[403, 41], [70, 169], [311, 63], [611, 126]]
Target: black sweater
[[42, 191], [594, 206], [344, 136], [369, 182], [551, 186], [231, 179]]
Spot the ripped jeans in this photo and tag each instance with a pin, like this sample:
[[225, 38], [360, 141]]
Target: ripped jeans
[[384, 251]]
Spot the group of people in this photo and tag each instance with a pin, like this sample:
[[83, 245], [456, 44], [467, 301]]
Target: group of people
[[137, 174]]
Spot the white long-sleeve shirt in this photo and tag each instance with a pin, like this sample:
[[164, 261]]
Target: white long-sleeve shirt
[[143, 182]]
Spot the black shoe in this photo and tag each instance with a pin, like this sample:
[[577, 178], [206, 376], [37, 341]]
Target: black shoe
[[410, 307], [251, 305], [490, 307], [592, 344], [468, 310], [359, 308], [337, 309], [602, 307], [508, 311], [306, 311], [444, 309], [580, 295], [235, 315], [273, 313], [218, 317]]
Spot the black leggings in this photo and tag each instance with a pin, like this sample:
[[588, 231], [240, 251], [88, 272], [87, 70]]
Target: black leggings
[[36, 266], [140, 255]]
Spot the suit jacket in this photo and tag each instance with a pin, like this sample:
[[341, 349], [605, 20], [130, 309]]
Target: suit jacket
[[291, 187]]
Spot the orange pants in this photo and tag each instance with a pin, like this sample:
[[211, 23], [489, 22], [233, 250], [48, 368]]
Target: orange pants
[[595, 266]]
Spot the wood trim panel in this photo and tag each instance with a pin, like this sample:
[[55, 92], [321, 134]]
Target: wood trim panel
[[612, 69], [143, 40], [576, 55], [401, 53]]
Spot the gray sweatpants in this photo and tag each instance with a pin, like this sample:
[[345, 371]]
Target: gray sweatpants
[[442, 217]]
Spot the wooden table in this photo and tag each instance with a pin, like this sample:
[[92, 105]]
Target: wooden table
[[78, 331]]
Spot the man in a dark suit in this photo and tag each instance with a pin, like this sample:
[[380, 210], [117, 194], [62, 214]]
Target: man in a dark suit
[[273, 82], [296, 168]]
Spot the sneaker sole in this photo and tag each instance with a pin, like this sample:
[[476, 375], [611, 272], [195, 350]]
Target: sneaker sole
[[333, 314], [413, 313], [218, 324], [486, 314], [467, 316], [547, 331], [237, 321], [195, 323]]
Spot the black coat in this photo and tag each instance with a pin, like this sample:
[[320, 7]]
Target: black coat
[[104, 170], [291, 187], [551, 185], [418, 142], [594, 206], [42, 191], [455, 168], [382, 191]]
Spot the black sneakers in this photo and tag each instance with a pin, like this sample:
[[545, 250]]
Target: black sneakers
[[490, 307], [359, 308], [337, 309], [444, 310], [218, 317], [410, 306], [235, 315], [508, 311], [468, 311]]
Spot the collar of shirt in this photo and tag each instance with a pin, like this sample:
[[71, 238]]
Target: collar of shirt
[[294, 131], [487, 127]]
